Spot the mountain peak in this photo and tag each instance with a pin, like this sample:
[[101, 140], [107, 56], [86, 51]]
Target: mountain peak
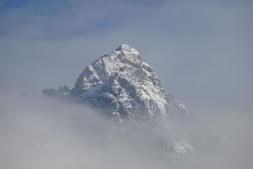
[[125, 47], [123, 88], [125, 51], [122, 85]]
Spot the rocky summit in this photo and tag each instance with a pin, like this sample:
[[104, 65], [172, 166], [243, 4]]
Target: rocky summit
[[122, 85], [128, 91]]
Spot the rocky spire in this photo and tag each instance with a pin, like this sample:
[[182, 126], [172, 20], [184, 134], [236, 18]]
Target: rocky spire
[[124, 86]]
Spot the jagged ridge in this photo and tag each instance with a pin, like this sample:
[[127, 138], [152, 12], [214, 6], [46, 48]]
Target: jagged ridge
[[123, 86]]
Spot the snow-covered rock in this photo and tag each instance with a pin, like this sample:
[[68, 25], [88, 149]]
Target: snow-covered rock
[[123, 86], [126, 88]]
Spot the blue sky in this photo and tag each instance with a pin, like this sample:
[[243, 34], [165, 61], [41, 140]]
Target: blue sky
[[202, 50]]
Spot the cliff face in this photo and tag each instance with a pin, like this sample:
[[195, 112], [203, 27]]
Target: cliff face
[[123, 86], [127, 90]]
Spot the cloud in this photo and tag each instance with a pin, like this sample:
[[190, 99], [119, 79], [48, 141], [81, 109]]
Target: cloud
[[42, 133]]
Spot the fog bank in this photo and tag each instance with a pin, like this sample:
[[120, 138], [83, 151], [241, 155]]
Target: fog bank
[[39, 133]]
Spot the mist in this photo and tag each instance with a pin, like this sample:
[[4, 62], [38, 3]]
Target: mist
[[38, 132]]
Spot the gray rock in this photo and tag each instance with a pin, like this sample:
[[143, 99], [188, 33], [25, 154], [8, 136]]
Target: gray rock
[[123, 86]]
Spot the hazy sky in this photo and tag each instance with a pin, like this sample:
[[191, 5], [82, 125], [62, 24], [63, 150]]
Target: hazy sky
[[202, 50]]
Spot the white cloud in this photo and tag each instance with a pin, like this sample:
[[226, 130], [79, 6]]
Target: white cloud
[[40, 133]]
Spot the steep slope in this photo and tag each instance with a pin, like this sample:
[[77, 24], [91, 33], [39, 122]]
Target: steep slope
[[123, 86], [128, 90]]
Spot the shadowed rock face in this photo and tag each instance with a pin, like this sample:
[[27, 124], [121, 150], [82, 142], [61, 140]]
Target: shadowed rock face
[[123, 86]]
